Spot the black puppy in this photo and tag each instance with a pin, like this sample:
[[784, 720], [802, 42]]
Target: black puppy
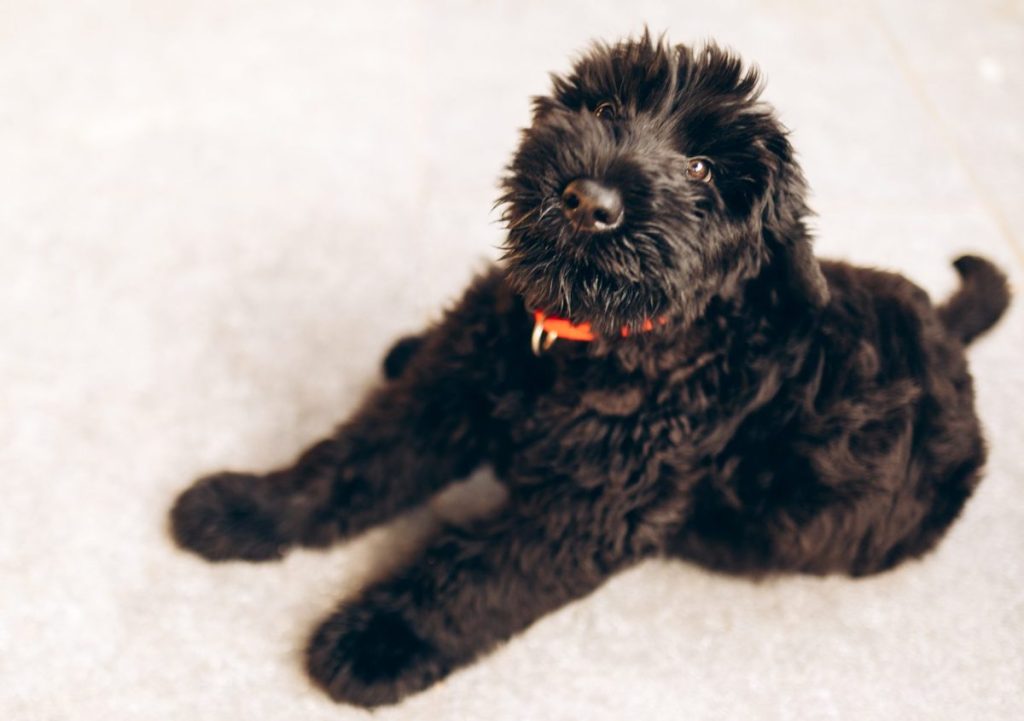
[[716, 395]]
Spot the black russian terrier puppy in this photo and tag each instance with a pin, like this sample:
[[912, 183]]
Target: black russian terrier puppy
[[717, 393]]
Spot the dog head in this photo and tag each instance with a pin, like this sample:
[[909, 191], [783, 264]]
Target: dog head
[[651, 180]]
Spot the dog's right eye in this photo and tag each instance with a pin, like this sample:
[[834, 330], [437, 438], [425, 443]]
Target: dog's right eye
[[605, 111]]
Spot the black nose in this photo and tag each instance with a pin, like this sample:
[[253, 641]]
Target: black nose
[[591, 206]]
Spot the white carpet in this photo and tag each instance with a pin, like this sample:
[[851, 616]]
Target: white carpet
[[215, 215]]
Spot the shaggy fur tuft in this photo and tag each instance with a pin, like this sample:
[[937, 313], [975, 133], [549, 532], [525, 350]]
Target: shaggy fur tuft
[[783, 415]]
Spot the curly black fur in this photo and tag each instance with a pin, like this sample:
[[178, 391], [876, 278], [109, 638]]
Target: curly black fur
[[786, 415]]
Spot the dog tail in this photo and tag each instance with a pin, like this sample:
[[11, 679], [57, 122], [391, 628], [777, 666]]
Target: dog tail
[[983, 296]]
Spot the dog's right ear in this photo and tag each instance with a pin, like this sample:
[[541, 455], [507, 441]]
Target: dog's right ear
[[542, 105], [785, 232]]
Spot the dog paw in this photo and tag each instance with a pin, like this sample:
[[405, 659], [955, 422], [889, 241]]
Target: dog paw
[[221, 518], [371, 657], [397, 359]]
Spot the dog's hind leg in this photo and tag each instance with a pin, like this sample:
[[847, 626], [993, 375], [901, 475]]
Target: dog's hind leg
[[397, 359]]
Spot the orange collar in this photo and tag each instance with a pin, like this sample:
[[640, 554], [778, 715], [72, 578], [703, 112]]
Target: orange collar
[[548, 328]]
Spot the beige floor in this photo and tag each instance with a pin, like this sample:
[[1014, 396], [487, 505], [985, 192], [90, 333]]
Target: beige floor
[[215, 215]]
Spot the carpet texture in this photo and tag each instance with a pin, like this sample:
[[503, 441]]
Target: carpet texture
[[214, 216]]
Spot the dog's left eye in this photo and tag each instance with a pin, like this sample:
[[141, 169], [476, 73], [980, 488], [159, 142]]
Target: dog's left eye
[[698, 169], [605, 111]]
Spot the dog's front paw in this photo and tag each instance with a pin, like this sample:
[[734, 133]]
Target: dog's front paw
[[221, 518], [371, 657]]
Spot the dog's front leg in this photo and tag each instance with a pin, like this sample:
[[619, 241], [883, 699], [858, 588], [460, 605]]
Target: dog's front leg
[[467, 593], [410, 438]]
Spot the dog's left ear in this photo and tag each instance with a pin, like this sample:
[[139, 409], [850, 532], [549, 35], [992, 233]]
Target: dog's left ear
[[785, 232]]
